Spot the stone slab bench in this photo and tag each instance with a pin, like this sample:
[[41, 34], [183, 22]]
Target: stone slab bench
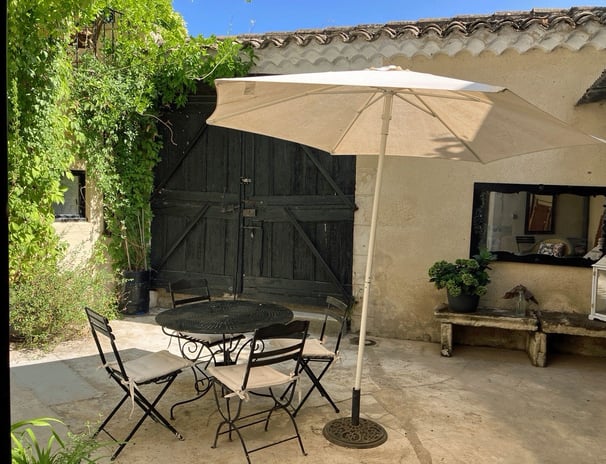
[[495, 318], [537, 327], [555, 322]]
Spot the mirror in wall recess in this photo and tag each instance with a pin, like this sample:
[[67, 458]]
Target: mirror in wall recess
[[543, 224]]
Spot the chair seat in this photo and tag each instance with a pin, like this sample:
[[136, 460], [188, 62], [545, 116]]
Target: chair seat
[[313, 348], [232, 377], [152, 366]]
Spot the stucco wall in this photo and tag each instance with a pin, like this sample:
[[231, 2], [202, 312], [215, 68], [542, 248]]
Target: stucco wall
[[425, 211], [81, 236], [425, 207]]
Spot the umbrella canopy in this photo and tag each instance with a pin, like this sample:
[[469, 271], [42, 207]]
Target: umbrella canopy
[[430, 116], [390, 111]]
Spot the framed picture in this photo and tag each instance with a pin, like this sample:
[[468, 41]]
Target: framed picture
[[539, 214]]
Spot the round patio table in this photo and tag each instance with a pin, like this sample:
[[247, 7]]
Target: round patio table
[[221, 317], [224, 316]]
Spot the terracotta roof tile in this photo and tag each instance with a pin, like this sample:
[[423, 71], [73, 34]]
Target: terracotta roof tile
[[474, 33], [442, 27]]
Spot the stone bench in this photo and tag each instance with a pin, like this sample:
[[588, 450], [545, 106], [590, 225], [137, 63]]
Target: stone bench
[[537, 327], [495, 318], [555, 322]]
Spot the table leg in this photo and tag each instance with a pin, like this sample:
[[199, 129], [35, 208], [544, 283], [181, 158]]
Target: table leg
[[193, 350]]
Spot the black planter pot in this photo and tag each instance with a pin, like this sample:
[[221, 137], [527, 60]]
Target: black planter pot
[[463, 303], [135, 296]]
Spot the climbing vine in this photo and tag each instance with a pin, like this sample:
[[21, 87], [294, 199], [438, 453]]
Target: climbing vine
[[100, 103], [87, 82]]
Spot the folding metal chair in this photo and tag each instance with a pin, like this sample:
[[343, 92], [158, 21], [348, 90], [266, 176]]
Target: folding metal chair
[[317, 350], [186, 291], [201, 348], [159, 367], [266, 371]]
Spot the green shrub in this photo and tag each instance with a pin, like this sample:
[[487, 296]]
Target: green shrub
[[463, 276], [26, 449], [48, 307]]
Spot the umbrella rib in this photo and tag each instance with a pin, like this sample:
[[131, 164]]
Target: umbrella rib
[[425, 108], [372, 99], [435, 115], [267, 104], [451, 95]]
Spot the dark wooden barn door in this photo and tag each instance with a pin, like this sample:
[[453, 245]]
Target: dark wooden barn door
[[257, 216]]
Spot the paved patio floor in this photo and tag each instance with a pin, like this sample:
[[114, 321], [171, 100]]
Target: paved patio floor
[[481, 406]]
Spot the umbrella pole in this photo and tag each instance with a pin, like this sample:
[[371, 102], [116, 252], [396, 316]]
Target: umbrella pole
[[355, 408], [368, 434]]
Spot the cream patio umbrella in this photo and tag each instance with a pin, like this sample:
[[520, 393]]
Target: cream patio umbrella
[[388, 111]]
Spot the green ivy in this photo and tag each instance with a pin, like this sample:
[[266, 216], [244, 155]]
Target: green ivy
[[101, 106]]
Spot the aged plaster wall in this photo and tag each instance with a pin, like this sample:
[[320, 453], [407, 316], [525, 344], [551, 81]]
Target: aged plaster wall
[[425, 211], [81, 236], [425, 206]]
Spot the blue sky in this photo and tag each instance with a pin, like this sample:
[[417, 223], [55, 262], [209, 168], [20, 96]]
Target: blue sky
[[233, 17]]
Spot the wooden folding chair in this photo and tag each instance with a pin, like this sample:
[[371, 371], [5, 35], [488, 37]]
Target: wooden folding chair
[[161, 368]]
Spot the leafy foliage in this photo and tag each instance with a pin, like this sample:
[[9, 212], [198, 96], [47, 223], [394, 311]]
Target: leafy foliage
[[39, 153], [47, 307], [26, 448], [100, 105], [148, 65], [464, 276]]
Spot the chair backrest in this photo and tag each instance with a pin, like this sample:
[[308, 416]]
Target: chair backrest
[[337, 310], [263, 354], [194, 290], [100, 328]]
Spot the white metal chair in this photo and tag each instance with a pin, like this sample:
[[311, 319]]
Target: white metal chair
[[161, 367], [267, 372]]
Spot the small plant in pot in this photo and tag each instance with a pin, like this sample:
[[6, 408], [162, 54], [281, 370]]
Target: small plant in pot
[[465, 280]]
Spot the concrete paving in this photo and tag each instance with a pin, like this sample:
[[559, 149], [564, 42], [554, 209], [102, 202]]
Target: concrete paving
[[481, 406]]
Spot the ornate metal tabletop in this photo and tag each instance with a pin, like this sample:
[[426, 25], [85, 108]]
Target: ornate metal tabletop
[[224, 316]]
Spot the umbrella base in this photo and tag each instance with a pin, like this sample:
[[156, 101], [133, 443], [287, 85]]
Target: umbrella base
[[343, 432]]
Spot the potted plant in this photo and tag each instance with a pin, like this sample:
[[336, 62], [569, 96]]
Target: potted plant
[[465, 280], [136, 272]]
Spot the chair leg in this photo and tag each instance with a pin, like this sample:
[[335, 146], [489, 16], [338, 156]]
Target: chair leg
[[202, 385], [316, 383], [109, 417], [294, 423], [149, 410], [231, 420]]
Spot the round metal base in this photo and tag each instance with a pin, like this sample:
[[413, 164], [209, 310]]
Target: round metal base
[[342, 432]]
